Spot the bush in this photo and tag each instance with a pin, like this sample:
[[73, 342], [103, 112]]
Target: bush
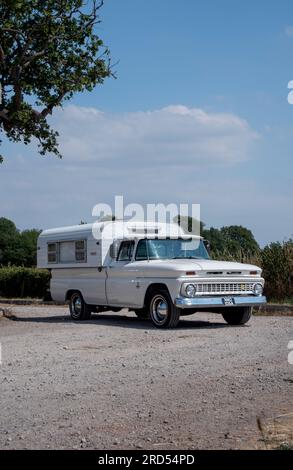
[[18, 281], [277, 265], [276, 261]]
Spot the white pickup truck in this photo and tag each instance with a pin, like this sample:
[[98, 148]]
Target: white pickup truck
[[156, 270]]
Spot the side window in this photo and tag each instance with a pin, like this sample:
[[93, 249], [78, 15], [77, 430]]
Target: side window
[[52, 253], [80, 251], [141, 251], [125, 252], [67, 252]]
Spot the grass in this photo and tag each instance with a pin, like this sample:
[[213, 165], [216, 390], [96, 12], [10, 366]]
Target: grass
[[287, 301], [277, 432]]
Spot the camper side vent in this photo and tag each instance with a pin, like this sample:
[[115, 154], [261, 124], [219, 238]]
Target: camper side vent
[[144, 230]]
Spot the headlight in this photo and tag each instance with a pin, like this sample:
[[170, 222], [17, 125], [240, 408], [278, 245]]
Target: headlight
[[257, 289], [190, 290]]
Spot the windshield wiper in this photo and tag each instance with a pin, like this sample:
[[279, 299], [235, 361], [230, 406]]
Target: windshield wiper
[[185, 257]]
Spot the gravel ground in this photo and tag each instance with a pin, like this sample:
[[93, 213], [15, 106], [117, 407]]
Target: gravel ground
[[115, 382]]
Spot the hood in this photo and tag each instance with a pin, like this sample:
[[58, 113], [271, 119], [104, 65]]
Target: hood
[[202, 267], [211, 265]]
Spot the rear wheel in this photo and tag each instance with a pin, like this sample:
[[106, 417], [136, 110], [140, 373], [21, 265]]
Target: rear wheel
[[162, 311], [237, 315], [79, 310]]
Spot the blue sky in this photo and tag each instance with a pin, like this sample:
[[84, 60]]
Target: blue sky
[[198, 113]]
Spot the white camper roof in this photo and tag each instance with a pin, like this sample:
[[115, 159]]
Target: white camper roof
[[118, 229]]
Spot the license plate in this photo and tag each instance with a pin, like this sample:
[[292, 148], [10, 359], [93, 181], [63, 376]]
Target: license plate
[[228, 301]]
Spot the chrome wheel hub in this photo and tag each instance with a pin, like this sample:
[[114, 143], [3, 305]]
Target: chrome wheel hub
[[159, 309], [76, 306]]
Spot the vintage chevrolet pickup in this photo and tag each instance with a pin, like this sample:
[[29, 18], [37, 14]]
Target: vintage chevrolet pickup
[[154, 269]]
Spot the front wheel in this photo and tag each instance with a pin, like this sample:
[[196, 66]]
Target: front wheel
[[237, 315], [79, 310], [162, 311]]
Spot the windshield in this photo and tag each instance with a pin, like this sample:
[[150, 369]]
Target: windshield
[[177, 248]]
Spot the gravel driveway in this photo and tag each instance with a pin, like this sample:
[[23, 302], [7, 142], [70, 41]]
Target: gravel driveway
[[117, 382]]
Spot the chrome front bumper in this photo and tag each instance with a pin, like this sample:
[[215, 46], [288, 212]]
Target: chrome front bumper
[[241, 301]]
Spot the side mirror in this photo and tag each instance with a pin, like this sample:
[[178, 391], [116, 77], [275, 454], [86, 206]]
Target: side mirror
[[114, 249], [207, 246]]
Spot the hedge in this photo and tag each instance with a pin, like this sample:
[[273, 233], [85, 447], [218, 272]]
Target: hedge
[[16, 281]]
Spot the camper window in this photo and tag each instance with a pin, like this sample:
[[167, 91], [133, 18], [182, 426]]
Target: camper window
[[67, 252], [80, 251], [52, 252]]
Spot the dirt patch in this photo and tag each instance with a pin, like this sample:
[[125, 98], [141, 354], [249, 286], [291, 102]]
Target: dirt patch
[[116, 382]]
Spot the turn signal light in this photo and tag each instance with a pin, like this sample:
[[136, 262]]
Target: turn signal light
[[253, 272]]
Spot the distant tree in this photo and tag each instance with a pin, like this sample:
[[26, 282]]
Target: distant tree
[[237, 238], [48, 52], [9, 242], [17, 248], [28, 242], [216, 239], [277, 264], [231, 241]]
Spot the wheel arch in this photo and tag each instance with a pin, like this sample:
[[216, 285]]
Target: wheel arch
[[152, 288], [70, 292]]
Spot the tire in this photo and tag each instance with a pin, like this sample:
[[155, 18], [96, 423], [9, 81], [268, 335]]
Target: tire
[[237, 315], [79, 310], [142, 313], [162, 311]]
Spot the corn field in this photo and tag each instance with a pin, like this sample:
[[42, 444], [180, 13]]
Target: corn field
[[276, 261]]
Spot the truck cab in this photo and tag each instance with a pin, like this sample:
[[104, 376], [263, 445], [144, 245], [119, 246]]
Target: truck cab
[[156, 270]]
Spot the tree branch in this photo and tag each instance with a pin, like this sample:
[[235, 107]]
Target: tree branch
[[48, 110], [33, 57], [2, 55], [4, 115]]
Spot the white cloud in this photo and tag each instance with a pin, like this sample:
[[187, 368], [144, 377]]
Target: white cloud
[[174, 135], [175, 154], [289, 31]]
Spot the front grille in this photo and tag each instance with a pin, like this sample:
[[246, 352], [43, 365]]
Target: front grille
[[224, 288]]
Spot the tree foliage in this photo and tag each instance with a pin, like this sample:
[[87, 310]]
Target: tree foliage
[[48, 52], [17, 248], [232, 239], [277, 264]]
